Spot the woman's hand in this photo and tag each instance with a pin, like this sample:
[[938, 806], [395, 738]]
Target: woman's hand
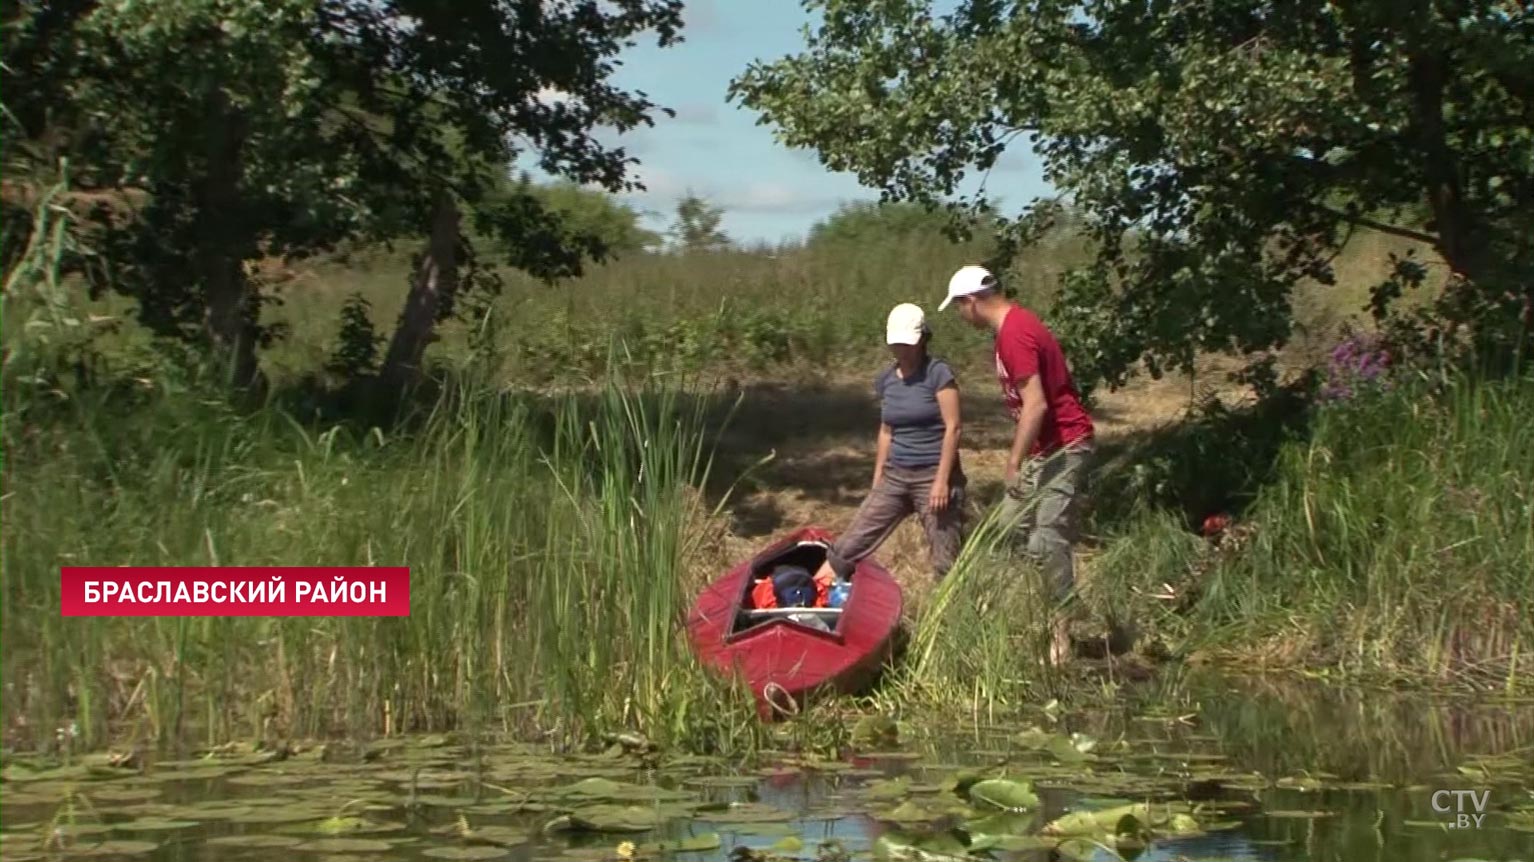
[[937, 501]]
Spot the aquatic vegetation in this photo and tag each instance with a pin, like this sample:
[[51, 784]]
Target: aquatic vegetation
[[1154, 785]]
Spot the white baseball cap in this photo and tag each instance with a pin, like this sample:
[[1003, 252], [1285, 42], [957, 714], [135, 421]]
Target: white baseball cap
[[906, 325], [967, 281]]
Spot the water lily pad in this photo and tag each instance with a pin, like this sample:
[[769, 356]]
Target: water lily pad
[[120, 794], [888, 789], [436, 801], [1004, 794], [920, 812], [788, 844], [154, 824], [497, 808], [1119, 820], [84, 830], [346, 845], [936, 847], [279, 815], [205, 774], [875, 730], [115, 848], [467, 853], [351, 826], [606, 818], [1300, 782], [1181, 824], [255, 842], [1362, 786], [593, 789], [722, 781]]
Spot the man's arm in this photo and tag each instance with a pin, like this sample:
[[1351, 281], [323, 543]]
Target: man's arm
[[1029, 420]]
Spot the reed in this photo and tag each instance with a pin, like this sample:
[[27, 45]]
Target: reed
[[1395, 540], [546, 539]]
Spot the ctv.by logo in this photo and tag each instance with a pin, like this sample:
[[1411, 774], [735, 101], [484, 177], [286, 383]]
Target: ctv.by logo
[[1463, 819]]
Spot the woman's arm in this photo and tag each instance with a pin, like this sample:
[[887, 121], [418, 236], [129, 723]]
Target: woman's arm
[[883, 453], [948, 402]]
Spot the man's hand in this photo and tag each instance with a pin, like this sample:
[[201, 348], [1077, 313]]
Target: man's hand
[[937, 500], [1030, 420]]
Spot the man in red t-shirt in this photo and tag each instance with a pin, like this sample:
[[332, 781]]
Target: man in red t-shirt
[[1046, 474]]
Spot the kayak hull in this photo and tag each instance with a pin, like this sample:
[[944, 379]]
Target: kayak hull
[[784, 660]]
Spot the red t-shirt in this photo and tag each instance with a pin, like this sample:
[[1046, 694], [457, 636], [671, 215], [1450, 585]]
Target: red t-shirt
[[1025, 347]]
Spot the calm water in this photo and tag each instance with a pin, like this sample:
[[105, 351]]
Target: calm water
[[1266, 772]]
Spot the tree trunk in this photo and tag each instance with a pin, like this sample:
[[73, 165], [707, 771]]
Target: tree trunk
[[229, 320], [1460, 239], [435, 278]]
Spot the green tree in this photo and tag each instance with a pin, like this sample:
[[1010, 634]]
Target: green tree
[[599, 214], [285, 127], [863, 223], [697, 225], [1217, 152]]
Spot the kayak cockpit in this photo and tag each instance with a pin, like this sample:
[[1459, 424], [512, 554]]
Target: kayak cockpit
[[807, 555]]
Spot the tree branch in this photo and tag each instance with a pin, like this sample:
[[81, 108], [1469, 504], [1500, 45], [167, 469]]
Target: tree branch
[[1382, 227]]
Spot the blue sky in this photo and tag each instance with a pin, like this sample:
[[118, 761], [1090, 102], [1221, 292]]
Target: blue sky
[[769, 193]]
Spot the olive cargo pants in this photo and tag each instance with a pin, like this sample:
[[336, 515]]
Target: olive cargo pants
[[1043, 509]]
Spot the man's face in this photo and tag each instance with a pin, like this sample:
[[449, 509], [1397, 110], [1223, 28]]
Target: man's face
[[969, 310]]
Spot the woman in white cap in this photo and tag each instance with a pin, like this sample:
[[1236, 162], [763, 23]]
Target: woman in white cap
[[916, 469]]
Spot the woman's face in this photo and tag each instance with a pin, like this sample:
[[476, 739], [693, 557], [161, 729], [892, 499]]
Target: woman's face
[[906, 354]]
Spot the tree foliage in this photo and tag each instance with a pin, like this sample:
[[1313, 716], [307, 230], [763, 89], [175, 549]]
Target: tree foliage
[[284, 127], [697, 225], [866, 223], [1218, 152], [595, 213]]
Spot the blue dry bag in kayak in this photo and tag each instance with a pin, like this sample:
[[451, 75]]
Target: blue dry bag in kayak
[[838, 596], [794, 587]]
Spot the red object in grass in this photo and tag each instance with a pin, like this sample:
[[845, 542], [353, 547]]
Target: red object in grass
[[784, 660], [1216, 524]]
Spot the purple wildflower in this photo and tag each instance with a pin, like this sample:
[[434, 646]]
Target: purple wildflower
[[1358, 363]]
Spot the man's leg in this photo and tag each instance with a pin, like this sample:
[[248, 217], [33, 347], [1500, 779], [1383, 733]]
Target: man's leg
[[1018, 513], [1061, 488], [945, 529], [883, 509]]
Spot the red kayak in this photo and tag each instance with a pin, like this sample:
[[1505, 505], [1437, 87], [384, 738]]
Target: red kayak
[[786, 653]]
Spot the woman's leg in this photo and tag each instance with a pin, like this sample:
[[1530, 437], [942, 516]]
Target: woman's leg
[[889, 503], [945, 529]]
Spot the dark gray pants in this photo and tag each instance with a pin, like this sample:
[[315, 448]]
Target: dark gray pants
[[903, 492]]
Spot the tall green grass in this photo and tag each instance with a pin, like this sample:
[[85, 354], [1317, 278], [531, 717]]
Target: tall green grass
[[549, 546], [1395, 540]]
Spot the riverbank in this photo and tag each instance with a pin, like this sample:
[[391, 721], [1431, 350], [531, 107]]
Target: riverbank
[[555, 541]]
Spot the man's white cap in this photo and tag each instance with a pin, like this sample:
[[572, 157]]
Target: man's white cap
[[968, 280], [906, 325]]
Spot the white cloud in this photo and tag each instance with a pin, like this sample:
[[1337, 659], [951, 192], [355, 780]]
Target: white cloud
[[769, 197], [659, 182]]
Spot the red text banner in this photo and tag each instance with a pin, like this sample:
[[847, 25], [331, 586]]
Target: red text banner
[[234, 591]]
